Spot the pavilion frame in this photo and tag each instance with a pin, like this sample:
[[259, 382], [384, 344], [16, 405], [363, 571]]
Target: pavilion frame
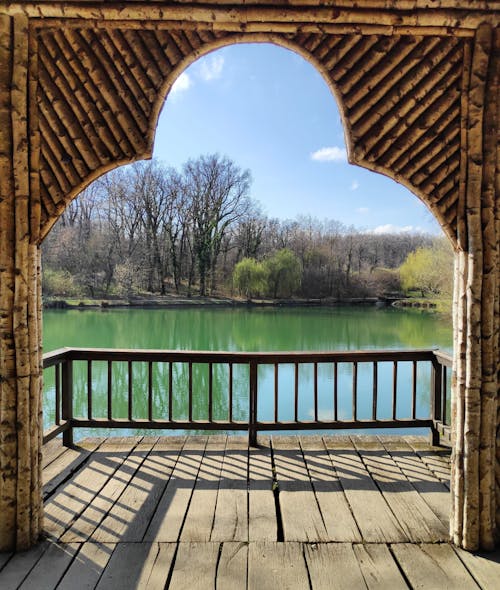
[[81, 87]]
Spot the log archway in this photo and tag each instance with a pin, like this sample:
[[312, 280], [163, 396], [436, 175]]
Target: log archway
[[81, 87]]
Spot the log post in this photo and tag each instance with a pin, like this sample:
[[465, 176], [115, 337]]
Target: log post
[[475, 518], [20, 297]]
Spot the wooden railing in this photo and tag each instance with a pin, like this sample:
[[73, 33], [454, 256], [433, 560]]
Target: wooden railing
[[261, 391]]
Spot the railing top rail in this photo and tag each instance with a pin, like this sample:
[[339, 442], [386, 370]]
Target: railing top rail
[[269, 357], [54, 356], [443, 358]]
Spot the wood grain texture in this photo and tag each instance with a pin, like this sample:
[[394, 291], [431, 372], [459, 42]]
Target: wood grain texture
[[195, 566], [432, 566], [375, 520], [302, 519], [277, 565], [262, 521], [137, 565], [474, 522], [335, 510], [334, 567]]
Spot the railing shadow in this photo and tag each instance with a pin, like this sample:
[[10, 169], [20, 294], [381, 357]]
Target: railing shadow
[[133, 496]]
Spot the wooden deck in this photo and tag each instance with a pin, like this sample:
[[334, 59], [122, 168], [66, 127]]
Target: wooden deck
[[207, 512]]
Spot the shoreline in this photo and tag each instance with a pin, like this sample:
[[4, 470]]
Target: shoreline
[[176, 301]]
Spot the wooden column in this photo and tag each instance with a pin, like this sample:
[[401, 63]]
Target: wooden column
[[475, 518], [20, 309]]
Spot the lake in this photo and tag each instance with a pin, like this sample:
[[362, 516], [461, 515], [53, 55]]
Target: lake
[[246, 329]]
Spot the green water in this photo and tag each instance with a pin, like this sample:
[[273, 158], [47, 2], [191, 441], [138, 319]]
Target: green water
[[256, 329]]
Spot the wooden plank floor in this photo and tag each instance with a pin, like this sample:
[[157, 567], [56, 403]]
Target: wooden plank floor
[[207, 512]]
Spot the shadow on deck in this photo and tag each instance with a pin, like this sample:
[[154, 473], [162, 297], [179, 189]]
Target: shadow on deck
[[208, 512]]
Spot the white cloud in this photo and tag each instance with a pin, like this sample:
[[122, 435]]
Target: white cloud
[[182, 84], [211, 68], [330, 154], [354, 185], [363, 210], [389, 228]]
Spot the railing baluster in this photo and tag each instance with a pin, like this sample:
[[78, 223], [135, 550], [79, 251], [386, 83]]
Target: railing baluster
[[110, 390], [150, 390], [89, 390], [375, 390], [190, 392], [252, 400], [58, 393], [436, 398], [276, 386], [436, 385], [67, 401], [210, 391], [414, 390], [444, 391], [315, 392], [335, 392], [296, 393], [230, 392], [170, 394], [394, 388], [130, 391], [354, 390]]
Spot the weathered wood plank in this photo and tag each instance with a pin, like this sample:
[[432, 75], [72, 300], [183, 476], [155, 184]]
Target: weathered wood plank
[[67, 464], [414, 515], [433, 566], [485, 567], [51, 567], [4, 558], [432, 489], [129, 517], [280, 566], [333, 567], [51, 451], [138, 565], [166, 523], [73, 497], [262, 522], [337, 515], [157, 567], [83, 527], [378, 567], [195, 566], [373, 516], [437, 459], [231, 512], [302, 520], [200, 516], [87, 567], [233, 566], [20, 565]]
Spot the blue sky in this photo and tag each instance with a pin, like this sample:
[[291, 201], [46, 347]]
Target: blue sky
[[270, 111]]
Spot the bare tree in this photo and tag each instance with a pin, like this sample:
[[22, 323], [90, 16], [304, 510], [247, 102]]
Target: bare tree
[[218, 192]]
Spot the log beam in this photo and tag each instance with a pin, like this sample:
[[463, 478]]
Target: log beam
[[475, 493], [447, 14], [20, 310]]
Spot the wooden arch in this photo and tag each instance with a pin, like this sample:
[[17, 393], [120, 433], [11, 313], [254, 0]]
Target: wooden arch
[[81, 87], [416, 92]]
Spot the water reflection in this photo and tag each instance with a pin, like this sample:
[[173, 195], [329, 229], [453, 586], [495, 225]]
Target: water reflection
[[241, 329]]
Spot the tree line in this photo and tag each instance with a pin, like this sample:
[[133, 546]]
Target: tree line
[[152, 229]]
